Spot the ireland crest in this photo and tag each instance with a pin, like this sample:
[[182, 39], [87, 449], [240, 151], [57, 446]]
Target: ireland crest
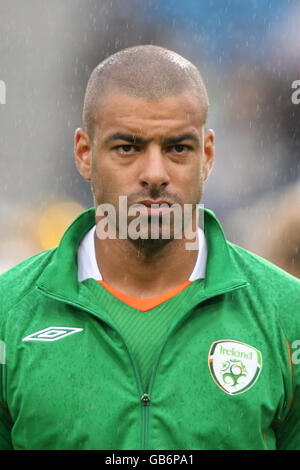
[[234, 366]]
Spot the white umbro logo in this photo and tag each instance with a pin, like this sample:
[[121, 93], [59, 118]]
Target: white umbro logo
[[52, 333]]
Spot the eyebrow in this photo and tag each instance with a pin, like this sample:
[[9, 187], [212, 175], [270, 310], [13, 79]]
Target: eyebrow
[[179, 138], [133, 139]]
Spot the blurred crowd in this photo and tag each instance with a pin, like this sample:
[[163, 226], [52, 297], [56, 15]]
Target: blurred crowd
[[248, 54]]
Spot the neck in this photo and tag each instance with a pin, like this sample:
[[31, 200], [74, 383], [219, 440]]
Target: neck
[[145, 268]]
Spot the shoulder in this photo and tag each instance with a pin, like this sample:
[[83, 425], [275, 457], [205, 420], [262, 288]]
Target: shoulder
[[20, 279], [275, 289], [258, 268]]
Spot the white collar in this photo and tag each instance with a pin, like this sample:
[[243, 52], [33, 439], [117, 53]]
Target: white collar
[[88, 267]]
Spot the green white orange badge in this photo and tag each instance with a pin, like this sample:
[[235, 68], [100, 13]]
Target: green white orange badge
[[234, 366]]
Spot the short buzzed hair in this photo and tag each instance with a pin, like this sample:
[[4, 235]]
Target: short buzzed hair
[[145, 71]]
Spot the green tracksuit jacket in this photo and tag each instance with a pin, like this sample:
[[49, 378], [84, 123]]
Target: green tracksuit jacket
[[226, 377]]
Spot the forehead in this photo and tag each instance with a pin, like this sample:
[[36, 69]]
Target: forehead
[[118, 111]]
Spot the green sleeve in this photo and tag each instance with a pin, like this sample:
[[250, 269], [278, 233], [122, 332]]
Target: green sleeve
[[5, 429], [5, 419], [288, 430]]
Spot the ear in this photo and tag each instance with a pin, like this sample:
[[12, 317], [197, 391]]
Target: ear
[[209, 152], [83, 153]]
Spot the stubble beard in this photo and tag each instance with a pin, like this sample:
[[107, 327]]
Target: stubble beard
[[146, 246]]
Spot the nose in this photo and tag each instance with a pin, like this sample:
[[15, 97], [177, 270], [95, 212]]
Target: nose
[[154, 172]]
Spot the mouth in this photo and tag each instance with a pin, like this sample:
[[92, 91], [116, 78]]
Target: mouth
[[150, 202], [157, 207]]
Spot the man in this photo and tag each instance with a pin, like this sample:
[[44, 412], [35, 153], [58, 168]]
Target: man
[[120, 340]]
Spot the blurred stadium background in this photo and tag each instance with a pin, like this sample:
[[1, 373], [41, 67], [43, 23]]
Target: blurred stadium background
[[248, 53]]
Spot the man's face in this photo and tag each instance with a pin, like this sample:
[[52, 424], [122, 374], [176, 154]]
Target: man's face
[[149, 151]]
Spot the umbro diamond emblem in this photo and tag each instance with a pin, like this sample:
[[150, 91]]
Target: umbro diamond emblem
[[52, 333]]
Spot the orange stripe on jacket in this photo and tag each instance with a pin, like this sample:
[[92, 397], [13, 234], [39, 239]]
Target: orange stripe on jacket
[[144, 304]]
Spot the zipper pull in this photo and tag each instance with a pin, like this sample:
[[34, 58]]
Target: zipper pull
[[145, 399]]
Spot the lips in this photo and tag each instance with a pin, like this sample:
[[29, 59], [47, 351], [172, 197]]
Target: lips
[[149, 203], [155, 208]]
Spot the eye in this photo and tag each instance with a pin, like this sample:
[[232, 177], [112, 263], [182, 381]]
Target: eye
[[179, 148], [126, 149]]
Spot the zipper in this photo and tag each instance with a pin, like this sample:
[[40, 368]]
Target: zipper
[[145, 397], [145, 400]]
